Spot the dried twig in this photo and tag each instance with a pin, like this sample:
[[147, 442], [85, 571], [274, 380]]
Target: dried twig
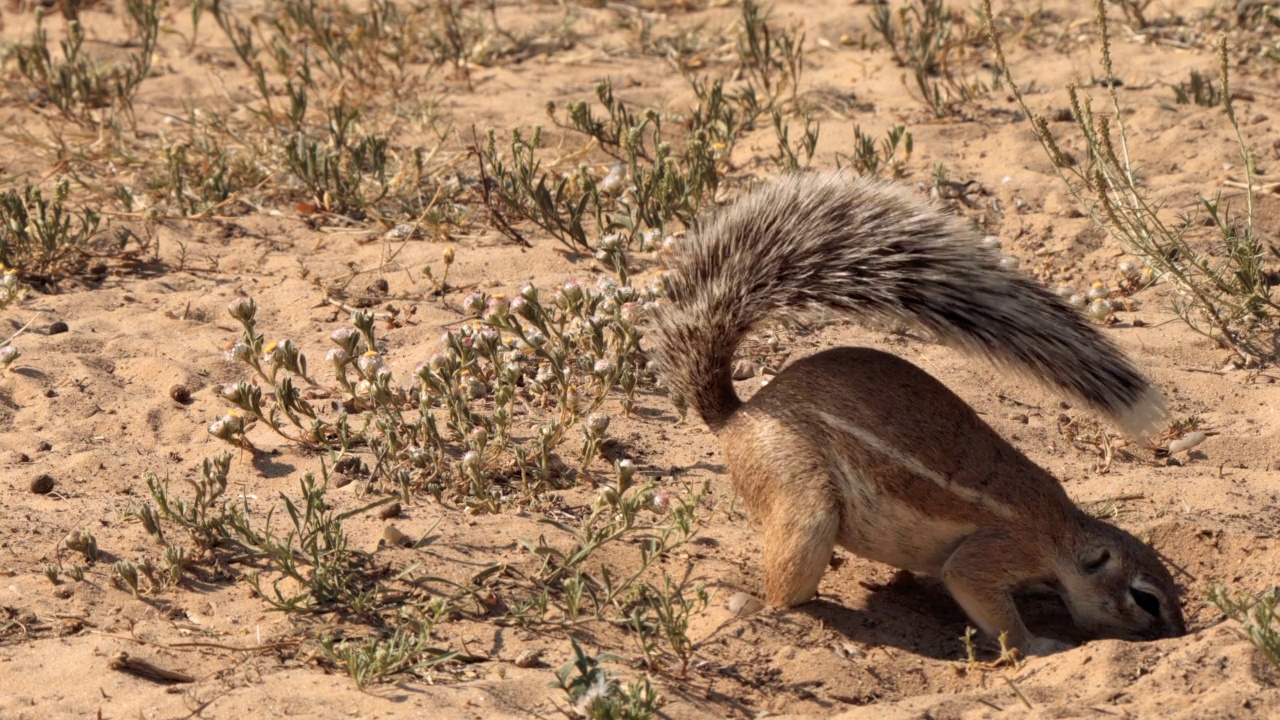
[[122, 662]]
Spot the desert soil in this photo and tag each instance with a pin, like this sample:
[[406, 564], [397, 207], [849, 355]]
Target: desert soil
[[91, 407]]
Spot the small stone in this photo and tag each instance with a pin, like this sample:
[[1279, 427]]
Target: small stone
[[43, 447], [42, 484], [62, 592], [744, 370], [530, 658], [21, 457], [389, 511], [848, 651], [394, 537], [57, 328], [743, 605], [1019, 417], [180, 394]]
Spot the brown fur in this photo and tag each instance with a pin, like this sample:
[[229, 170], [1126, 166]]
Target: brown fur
[[832, 241], [937, 492], [857, 448]]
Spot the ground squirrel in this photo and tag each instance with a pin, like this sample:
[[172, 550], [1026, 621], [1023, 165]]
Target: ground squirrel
[[862, 449]]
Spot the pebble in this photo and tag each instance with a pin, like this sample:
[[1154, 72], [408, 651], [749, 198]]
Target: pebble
[[57, 328], [530, 658], [394, 537], [389, 511], [743, 604], [42, 484]]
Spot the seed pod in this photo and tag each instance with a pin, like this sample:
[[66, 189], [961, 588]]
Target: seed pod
[[1186, 442]]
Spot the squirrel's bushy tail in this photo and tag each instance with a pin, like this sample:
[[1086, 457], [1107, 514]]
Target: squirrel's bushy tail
[[832, 241]]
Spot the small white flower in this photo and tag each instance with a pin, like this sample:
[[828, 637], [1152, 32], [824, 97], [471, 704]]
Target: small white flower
[[661, 503], [597, 423], [1129, 270], [242, 309], [471, 461], [572, 291], [342, 336], [369, 363], [1099, 309], [239, 352], [612, 183], [599, 690], [631, 312], [473, 304]]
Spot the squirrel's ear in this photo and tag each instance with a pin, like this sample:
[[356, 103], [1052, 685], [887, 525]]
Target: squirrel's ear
[[1095, 560]]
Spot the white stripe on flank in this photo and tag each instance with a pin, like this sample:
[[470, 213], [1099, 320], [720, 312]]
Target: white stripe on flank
[[916, 467]]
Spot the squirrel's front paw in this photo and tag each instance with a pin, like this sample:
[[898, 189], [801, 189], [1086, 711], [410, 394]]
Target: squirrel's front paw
[[1039, 646]]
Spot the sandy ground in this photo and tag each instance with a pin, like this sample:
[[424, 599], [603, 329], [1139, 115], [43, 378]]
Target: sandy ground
[[91, 408]]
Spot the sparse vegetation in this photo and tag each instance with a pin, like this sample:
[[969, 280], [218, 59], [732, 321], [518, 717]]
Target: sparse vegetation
[[929, 41], [81, 87], [43, 237], [593, 692], [467, 471], [872, 158], [1198, 89], [771, 59], [1257, 617], [1222, 287]]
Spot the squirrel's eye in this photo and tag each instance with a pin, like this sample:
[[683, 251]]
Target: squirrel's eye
[[1148, 602], [1098, 563]]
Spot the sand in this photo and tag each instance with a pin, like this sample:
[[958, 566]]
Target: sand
[[91, 408]]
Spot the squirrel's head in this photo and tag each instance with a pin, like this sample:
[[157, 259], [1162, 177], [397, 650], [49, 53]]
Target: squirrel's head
[[1116, 586]]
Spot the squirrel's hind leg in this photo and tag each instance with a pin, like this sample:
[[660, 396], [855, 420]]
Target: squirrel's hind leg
[[787, 488], [799, 538]]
